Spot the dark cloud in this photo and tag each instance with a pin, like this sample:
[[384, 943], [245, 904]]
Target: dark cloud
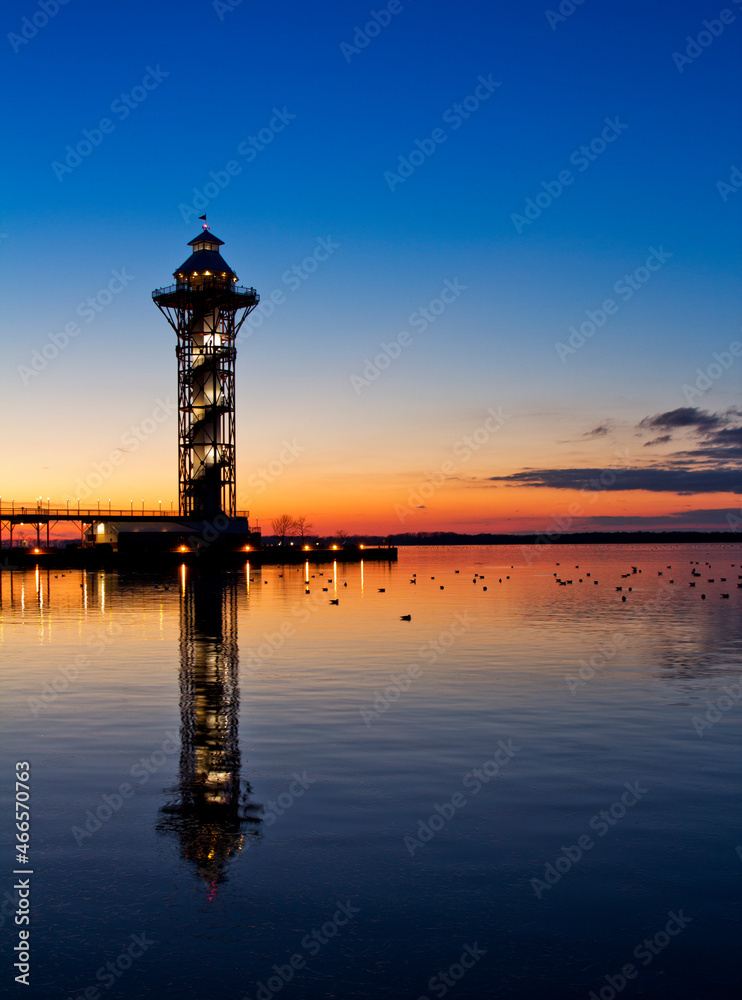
[[731, 454], [719, 435], [673, 480], [684, 416], [709, 464], [728, 436], [662, 439], [724, 444]]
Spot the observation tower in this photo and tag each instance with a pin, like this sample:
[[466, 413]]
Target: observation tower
[[206, 307]]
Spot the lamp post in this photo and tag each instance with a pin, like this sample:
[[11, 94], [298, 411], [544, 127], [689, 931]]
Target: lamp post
[[160, 503], [131, 507], [68, 508], [142, 505], [99, 508]]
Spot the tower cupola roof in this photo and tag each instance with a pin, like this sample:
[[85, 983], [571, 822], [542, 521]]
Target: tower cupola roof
[[206, 237], [205, 259]]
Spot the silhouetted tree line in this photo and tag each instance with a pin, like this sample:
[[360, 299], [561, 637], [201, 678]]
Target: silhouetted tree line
[[489, 538]]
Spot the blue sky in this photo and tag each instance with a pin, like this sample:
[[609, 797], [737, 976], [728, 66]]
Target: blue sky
[[219, 76]]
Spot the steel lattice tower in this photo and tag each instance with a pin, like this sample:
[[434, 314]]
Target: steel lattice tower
[[206, 308]]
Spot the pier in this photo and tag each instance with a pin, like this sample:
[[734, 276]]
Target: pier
[[42, 515], [158, 538]]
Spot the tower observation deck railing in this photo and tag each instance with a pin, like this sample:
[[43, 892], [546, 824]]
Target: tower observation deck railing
[[208, 285]]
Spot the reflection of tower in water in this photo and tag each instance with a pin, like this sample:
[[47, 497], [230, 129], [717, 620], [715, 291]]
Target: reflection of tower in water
[[212, 814]]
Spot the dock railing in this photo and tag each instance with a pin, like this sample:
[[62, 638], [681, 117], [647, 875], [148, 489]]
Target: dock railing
[[101, 512]]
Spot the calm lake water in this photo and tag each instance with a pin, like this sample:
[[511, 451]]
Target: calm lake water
[[240, 790]]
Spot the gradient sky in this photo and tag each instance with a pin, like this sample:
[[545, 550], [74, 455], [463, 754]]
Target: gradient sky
[[362, 454]]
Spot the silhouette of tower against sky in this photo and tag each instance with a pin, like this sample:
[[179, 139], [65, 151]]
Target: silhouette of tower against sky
[[211, 812], [206, 308]]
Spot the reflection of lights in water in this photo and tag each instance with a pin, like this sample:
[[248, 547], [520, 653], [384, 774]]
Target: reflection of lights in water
[[247, 577], [361, 575], [211, 813], [306, 571]]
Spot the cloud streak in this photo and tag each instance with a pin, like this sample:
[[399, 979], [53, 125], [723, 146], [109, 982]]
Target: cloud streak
[[662, 439], [714, 517], [687, 481]]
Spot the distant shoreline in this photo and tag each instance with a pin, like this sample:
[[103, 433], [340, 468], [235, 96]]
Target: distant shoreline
[[567, 538]]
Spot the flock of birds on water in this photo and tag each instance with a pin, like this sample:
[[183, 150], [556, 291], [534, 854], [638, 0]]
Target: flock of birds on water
[[635, 571], [562, 583], [478, 577], [380, 590]]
